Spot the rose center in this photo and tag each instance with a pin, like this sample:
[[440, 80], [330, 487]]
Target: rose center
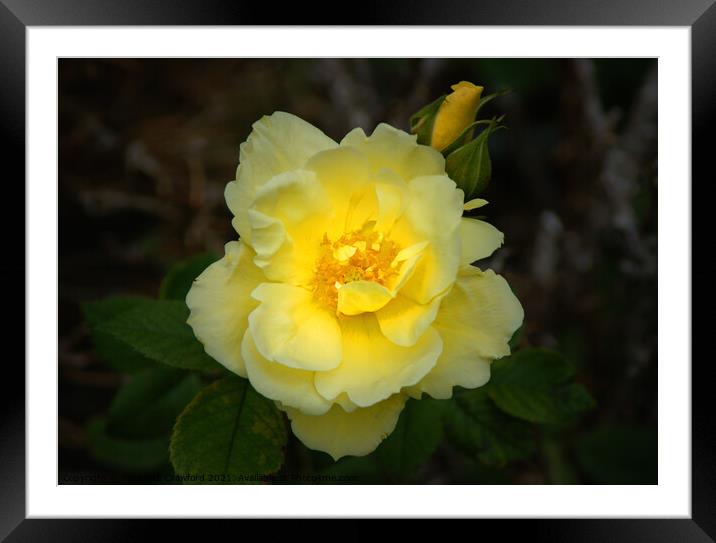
[[360, 255]]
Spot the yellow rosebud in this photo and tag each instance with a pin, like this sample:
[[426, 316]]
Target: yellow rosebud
[[455, 114], [350, 288]]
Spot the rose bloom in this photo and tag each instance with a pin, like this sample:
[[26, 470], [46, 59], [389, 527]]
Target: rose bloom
[[351, 288]]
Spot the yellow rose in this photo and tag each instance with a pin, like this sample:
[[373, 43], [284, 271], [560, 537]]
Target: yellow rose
[[351, 286]]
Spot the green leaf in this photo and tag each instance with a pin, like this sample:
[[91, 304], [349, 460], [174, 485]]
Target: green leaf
[[178, 281], [228, 434], [113, 352], [414, 440], [470, 165], [125, 454], [536, 385], [148, 405], [158, 330], [421, 123], [481, 430], [619, 454]]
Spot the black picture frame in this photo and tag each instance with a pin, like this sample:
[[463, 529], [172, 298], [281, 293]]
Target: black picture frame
[[16, 15]]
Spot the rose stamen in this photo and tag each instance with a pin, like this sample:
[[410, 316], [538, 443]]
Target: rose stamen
[[360, 255]]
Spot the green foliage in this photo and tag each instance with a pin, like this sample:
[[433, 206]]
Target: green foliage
[[126, 455], [536, 385], [228, 434], [112, 351], [416, 437], [492, 423], [481, 430], [619, 454], [470, 165], [158, 330], [134, 435], [178, 281], [422, 122], [149, 403]]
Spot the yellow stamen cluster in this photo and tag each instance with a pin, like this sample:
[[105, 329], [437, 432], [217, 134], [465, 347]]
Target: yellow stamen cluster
[[359, 255]]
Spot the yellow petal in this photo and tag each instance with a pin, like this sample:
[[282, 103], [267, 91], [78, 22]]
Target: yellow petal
[[291, 387], [278, 143], [479, 239], [345, 176], [433, 214], [287, 219], [411, 251], [476, 321], [291, 328], [348, 434], [435, 206], [219, 302], [388, 147], [404, 321], [453, 369], [373, 368], [268, 235], [391, 195], [359, 297], [455, 114], [408, 260], [484, 307], [345, 402]]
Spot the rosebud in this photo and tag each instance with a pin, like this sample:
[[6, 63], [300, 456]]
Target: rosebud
[[456, 113], [441, 122]]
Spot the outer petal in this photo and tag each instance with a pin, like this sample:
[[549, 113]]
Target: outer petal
[[373, 368], [391, 148], [484, 301], [476, 321], [220, 303], [278, 143], [289, 327], [291, 387], [479, 240], [452, 370], [340, 433]]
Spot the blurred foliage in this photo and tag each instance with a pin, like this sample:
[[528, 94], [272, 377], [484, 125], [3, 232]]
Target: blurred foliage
[[146, 147]]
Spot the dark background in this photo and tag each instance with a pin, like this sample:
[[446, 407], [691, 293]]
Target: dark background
[[147, 146]]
